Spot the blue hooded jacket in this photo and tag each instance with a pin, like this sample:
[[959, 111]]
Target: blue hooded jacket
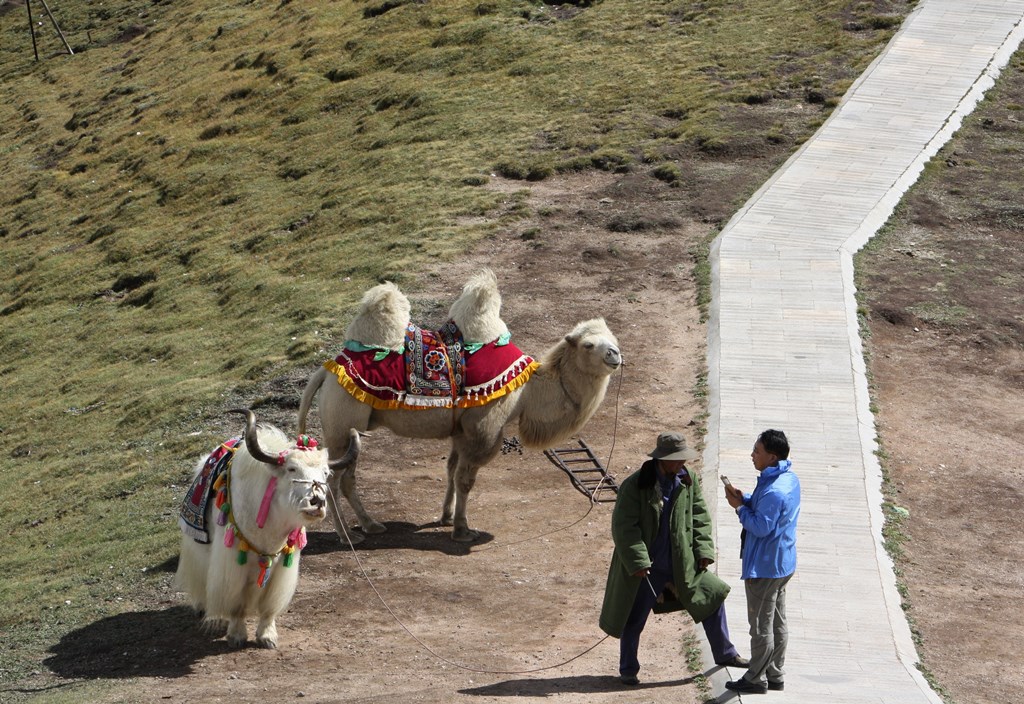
[[769, 517]]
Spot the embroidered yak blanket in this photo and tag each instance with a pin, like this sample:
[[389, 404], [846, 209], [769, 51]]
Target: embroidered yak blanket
[[192, 516], [435, 370]]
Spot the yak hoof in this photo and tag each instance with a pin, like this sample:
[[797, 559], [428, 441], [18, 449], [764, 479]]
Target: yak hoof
[[237, 641], [464, 535], [267, 642]]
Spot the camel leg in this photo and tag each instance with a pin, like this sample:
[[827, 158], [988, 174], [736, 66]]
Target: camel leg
[[448, 507], [465, 478], [351, 536], [470, 460], [348, 488]]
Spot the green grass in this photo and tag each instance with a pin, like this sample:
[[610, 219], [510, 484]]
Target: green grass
[[191, 212]]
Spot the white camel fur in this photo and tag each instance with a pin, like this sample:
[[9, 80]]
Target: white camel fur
[[477, 312], [555, 403], [382, 317], [226, 592]]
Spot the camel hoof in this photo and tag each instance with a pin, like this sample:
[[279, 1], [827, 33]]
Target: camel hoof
[[372, 527], [447, 521], [464, 535], [351, 538]]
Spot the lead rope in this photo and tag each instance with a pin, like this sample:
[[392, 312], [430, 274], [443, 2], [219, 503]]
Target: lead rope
[[423, 645], [593, 495], [426, 647]]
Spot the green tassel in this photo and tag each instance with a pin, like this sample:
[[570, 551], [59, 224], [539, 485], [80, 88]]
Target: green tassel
[[243, 557], [288, 559]]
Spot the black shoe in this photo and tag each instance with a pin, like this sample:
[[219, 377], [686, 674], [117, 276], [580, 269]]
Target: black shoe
[[629, 679], [734, 661], [776, 686], [745, 686]]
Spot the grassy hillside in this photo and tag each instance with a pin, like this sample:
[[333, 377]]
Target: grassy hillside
[[192, 202]]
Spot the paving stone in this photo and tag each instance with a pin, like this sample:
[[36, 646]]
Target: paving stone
[[784, 351]]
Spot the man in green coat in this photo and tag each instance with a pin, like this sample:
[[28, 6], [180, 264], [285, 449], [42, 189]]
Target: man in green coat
[[662, 533]]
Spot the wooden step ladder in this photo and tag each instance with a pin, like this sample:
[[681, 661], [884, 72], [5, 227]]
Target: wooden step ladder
[[585, 470]]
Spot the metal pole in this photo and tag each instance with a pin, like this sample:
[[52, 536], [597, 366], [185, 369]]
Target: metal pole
[[31, 29], [50, 15]]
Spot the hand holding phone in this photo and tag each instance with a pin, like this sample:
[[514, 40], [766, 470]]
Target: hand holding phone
[[725, 480]]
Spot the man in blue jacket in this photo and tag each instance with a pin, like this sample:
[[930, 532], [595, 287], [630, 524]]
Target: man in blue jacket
[[768, 549]]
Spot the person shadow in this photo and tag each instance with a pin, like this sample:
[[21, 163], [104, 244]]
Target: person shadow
[[578, 684]]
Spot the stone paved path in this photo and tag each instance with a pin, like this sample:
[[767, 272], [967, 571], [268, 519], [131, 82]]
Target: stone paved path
[[784, 349]]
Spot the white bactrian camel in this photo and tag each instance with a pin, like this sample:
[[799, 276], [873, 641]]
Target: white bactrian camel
[[274, 488], [560, 397]]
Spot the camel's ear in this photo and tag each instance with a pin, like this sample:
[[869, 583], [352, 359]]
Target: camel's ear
[[572, 340]]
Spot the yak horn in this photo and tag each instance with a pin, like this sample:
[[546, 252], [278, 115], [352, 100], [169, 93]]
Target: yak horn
[[252, 443], [354, 445]]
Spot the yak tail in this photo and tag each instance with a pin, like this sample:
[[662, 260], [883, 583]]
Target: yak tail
[[312, 386]]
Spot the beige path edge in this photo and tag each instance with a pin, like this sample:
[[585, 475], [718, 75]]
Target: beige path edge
[[784, 348]]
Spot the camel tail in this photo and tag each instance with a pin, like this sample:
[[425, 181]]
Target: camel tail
[[312, 386]]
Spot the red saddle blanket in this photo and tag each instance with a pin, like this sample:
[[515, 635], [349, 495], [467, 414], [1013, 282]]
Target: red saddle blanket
[[434, 371]]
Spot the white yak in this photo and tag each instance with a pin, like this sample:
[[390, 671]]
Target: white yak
[[556, 401], [274, 487]]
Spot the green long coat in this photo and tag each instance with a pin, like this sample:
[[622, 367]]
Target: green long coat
[[635, 523]]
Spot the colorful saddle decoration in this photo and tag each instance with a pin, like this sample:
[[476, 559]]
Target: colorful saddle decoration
[[192, 516], [435, 370]]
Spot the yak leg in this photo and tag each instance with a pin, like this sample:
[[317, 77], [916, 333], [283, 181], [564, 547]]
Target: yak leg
[[448, 507], [238, 633], [266, 632]]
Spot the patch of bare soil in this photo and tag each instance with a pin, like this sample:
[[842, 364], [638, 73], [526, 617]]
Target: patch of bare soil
[[947, 360], [479, 623]]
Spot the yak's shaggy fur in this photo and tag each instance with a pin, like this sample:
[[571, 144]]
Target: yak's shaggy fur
[[226, 592]]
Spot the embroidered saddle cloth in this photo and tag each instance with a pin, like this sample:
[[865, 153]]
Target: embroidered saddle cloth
[[435, 370], [192, 516]]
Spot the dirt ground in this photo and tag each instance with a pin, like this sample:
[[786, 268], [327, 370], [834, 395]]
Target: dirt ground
[[411, 616]]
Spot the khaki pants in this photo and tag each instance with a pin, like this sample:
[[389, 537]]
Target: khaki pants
[[766, 613]]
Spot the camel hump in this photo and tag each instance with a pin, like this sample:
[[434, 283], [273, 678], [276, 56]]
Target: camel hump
[[381, 318], [477, 312]]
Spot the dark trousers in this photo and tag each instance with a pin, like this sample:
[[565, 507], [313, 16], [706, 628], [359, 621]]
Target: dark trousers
[[715, 626]]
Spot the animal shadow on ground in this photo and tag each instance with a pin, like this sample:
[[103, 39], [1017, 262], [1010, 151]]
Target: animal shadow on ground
[[579, 684], [400, 535], [163, 643]]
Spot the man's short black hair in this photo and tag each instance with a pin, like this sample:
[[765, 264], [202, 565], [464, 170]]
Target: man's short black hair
[[775, 442]]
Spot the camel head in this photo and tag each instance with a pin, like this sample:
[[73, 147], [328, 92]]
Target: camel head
[[596, 349], [569, 385]]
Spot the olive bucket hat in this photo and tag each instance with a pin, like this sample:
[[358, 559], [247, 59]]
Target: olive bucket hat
[[672, 446]]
